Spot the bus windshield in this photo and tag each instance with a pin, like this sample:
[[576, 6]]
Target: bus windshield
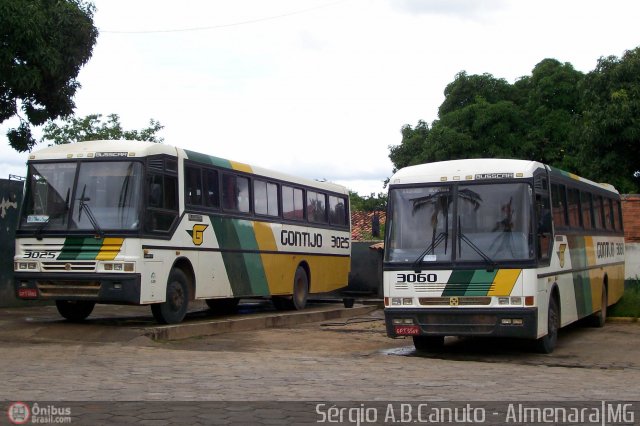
[[488, 223], [83, 196]]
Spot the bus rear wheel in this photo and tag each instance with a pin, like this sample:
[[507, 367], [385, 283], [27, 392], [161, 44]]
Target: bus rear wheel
[[75, 310], [547, 344], [174, 308], [600, 318], [298, 300]]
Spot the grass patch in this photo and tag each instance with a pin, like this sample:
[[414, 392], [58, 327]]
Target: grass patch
[[629, 305]]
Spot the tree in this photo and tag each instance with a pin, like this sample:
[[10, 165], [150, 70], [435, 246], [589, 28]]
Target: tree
[[93, 127], [611, 122], [410, 149], [44, 45], [369, 203], [465, 89]]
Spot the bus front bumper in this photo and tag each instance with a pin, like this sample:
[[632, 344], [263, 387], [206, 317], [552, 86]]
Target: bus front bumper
[[505, 322], [99, 288]]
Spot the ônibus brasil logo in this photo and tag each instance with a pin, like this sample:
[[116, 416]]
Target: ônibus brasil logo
[[19, 413]]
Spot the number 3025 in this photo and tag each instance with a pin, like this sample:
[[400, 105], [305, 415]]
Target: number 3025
[[417, 278]]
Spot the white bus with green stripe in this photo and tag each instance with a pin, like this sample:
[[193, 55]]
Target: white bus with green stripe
[[498, 247], [127, 222]]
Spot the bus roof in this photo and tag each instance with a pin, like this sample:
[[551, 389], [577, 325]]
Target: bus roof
[[474, 169], [138, 149]]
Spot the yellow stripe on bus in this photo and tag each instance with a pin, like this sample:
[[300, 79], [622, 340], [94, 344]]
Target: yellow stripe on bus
[[110, 248], [503, 282], [241, 167]]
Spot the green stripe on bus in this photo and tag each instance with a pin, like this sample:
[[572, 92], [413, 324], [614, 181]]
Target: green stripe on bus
[[458, 283], [480, 283], [208, 159], [78, 248], [582, 290], [245, 270]]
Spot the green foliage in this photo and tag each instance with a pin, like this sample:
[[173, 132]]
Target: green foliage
[[629, 305], [44, 45], [587, 124], [93, 127], [611, 121], [369, 203]]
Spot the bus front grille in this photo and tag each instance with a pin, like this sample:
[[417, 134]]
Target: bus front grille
[[460, 301], [68, 266], [69, 288]]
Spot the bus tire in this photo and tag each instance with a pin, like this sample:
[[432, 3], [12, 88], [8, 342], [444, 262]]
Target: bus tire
[[223, 306], [547, 343], [298, 300], [428, 344], [75, 310], [174, 308], [600, 318], [300, 289]]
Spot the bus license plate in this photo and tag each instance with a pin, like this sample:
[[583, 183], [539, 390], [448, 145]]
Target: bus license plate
[[407, 330], [27, 293]]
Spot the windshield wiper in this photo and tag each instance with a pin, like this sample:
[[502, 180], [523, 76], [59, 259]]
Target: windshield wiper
[[435, 243], [40, 228], [491, 263], [84, 206]]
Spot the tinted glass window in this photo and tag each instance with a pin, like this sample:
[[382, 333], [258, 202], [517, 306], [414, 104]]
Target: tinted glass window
[[163, 203], [292, 207], [235, 193], [211, 195], [316, 206], [585, 204], [559, 200], [265, 198], [597, 211], [337, 210], [608, 213], [574, 207], [193, 186]]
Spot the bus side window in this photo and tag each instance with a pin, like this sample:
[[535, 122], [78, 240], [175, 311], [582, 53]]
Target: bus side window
[[543, 216], [211, 190], [193, 182], [574, 208], [235, 193], [559, 201], [585, 203], [337, 210], [162, 209], [292, 207], [316, 206]]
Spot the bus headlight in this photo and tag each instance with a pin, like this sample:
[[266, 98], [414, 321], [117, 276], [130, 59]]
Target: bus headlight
[[22, 266], [119, 266]]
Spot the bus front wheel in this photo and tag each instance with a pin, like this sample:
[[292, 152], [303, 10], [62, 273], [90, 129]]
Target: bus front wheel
[[547, 344], [75, 310], [174, 308]]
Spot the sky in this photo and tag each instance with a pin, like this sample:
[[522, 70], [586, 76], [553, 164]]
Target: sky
[[319, 88]]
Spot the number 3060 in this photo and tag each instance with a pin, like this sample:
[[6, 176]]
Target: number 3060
[[417, 278]]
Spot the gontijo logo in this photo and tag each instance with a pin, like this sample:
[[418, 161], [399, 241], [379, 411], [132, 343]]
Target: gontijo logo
[[197, 233]]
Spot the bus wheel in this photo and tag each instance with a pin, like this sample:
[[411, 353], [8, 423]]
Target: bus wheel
[[300, 289], [298, 300], [547, 344], [429, 344], [74, 310], [223, 306], [600, 318], [173, 310]]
